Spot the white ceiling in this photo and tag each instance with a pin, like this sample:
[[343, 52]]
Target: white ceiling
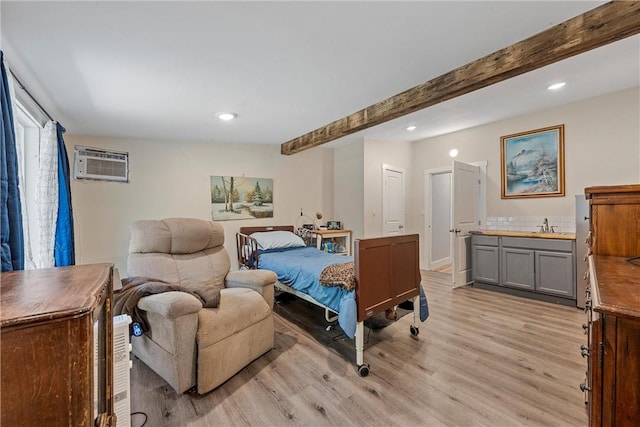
[[161, 70]]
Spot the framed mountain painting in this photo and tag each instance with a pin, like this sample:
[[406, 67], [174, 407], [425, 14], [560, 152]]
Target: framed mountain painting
[[532, 163]]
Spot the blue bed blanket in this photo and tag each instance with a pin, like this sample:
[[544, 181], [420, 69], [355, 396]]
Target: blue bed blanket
[[300, 269]]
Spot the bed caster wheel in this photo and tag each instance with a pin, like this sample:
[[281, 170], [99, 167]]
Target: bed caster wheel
[[414, 330], [363, 370]]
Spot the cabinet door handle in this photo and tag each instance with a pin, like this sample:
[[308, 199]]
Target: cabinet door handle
[[584, 387]]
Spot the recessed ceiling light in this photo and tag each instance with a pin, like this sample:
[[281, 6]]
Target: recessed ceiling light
[[226, 116], [410, 128], [556, 86], [453, 152]]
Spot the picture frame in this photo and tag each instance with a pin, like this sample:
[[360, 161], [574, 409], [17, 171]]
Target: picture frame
[[240, 197], [532, 163]]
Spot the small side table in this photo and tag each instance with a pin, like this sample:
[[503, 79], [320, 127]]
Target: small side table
[[341, 237]]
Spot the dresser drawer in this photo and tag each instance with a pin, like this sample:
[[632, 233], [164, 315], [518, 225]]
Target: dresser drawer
[[538, 243], [477, 239]]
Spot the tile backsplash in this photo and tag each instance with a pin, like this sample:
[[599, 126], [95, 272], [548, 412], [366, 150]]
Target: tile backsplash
[[562, 224]]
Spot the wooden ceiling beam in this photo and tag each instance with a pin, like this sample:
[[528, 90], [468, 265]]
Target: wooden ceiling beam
[[605, 24]]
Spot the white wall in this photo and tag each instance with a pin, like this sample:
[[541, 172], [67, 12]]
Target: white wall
[[602, 147], [376, 153], [171, 179], [358, 183], [348, 187]]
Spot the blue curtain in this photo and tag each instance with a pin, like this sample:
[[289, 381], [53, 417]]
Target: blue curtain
[[10, 209], [64, 251]]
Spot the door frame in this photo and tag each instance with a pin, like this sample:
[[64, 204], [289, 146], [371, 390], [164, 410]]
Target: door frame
[[482, 205], [428, 204]]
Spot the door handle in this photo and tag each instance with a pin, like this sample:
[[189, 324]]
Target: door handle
[[454, 230], [401, 226]]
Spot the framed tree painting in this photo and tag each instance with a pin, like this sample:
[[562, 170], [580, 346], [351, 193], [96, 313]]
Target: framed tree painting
[[240, 197], [532, 163]]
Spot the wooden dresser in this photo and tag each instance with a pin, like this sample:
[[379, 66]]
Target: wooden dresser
[[613, 307], [57, 345]]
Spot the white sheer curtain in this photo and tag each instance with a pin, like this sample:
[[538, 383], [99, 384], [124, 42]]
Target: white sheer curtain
[[47, 195], [29, 263]]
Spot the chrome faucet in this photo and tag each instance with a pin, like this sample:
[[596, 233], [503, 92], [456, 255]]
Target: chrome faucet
[[545, 225]]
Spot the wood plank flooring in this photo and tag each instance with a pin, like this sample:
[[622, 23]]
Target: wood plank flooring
[[481, 359]]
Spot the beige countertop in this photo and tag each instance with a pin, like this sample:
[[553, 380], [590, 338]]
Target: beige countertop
[[565, 236]]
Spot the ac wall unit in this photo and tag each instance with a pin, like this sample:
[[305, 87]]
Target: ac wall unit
[[94, 163]]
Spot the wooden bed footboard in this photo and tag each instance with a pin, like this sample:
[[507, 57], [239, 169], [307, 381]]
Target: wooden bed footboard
[[387, 272]]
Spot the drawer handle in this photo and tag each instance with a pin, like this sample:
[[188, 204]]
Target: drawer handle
[[584, 387]]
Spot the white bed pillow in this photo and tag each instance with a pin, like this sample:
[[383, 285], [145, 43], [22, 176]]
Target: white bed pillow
[[277, 240]]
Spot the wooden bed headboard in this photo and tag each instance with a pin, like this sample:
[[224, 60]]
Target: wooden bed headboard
[[250, 230], [247, 247]]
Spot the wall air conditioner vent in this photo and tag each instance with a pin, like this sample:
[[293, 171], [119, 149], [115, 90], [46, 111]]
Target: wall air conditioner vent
[[103, 165]]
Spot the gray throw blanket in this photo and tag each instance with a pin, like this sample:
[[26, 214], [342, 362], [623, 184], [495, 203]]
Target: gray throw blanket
[[125, 300]]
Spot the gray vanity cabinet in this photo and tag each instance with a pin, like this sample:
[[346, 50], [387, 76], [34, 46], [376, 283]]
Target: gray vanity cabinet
[[539, 268], [517, 268], [555, 273], [485, 259]]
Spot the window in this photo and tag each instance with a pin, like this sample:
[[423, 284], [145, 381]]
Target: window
[[28, 147]]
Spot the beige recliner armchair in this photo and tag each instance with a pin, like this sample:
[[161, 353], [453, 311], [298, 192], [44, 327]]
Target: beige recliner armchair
[[189, 345]]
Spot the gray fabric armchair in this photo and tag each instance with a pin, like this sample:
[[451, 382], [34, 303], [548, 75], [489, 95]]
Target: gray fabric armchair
[[189, 344]]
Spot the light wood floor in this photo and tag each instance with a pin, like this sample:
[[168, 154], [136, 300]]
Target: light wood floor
[[446, 268], [482, 358]]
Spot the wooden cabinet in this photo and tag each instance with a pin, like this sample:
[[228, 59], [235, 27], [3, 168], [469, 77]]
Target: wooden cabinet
[[340, 240], [615, 220], [57, 346], [613, 351], [612, 385]]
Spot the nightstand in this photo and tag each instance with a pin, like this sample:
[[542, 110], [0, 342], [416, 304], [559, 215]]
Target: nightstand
[[339, 237]]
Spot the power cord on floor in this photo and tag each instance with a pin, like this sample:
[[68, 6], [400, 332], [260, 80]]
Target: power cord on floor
[[140, 413]]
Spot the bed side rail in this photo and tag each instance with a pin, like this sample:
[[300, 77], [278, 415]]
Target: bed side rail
[[247, 248]]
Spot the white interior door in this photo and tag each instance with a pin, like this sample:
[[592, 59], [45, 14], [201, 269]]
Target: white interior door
[[438, 217], [465, 219], [392, 200]]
